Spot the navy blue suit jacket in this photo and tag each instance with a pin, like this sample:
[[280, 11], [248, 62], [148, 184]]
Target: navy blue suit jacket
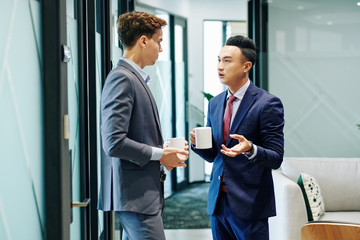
[[260, 119]]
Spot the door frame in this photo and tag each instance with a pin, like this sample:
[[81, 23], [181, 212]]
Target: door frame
[[176, 20], [258, 32], [56, 145]]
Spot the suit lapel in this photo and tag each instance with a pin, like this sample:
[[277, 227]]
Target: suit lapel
[[147, 89], [247, 101], [218, 124]]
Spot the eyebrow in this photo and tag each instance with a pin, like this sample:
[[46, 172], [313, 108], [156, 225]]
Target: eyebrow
[[224, 57]]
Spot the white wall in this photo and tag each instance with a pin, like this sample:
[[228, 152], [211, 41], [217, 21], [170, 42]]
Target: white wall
[[180, 8], [196, 11]]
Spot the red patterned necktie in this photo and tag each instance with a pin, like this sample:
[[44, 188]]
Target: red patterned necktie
[[227, 117]]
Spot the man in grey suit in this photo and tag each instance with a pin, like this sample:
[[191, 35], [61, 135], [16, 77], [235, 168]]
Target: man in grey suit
[[133, 157]]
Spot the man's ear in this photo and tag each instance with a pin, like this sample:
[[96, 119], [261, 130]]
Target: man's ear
[[247, 66], [143, 41]]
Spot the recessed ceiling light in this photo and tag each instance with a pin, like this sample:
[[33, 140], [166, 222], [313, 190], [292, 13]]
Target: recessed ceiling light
[[358, 3], [329, 23], [318, 17], [300, 7]]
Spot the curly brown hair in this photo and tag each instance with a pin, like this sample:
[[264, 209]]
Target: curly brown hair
[[132, 25]]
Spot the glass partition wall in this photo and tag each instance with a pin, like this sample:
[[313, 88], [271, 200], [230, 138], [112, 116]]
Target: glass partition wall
[[314, 59], [22, 190]]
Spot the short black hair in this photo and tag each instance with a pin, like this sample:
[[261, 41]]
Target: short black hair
[[246, 45]]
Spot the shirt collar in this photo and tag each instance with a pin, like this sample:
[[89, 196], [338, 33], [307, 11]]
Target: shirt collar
[[142, 73], [240, 93]]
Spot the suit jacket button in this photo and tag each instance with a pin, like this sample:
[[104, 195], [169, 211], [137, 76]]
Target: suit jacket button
[[219, 177]]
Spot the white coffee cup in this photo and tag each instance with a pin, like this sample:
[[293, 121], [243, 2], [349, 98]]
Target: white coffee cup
[[177, 142], [203, 138]]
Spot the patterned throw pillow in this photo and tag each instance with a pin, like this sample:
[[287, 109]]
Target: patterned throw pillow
[[314, 201]]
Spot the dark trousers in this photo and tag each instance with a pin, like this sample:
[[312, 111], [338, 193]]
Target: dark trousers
[[225, 225]]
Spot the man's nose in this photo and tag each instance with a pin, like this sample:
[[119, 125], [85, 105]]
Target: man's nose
[[220, 66]]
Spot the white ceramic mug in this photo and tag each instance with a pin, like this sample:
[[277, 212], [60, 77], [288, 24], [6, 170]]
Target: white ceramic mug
[[203, 138], [177, 142]]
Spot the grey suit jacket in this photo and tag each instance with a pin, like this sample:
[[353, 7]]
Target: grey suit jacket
[[130, 125]]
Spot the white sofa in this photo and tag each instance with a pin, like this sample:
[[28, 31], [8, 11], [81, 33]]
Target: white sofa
[[339, 181]]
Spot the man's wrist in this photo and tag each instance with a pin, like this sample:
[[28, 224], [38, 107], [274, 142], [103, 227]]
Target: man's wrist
[[156, 154], [251, 150]]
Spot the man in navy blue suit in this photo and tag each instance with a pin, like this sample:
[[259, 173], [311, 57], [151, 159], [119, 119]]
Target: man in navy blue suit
[[248, 142]]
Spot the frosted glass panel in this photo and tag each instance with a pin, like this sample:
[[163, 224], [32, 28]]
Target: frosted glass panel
[[22, 213], [73, 110], [314, 59]]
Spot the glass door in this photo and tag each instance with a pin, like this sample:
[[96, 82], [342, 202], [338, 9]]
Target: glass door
[[73, 111], [80, 98], [180, 92]]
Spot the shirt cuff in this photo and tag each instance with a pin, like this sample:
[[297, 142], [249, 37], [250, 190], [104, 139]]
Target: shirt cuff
[[156, 154], [254, 153]]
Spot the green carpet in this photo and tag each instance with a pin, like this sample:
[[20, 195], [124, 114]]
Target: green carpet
[[186, 209]]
